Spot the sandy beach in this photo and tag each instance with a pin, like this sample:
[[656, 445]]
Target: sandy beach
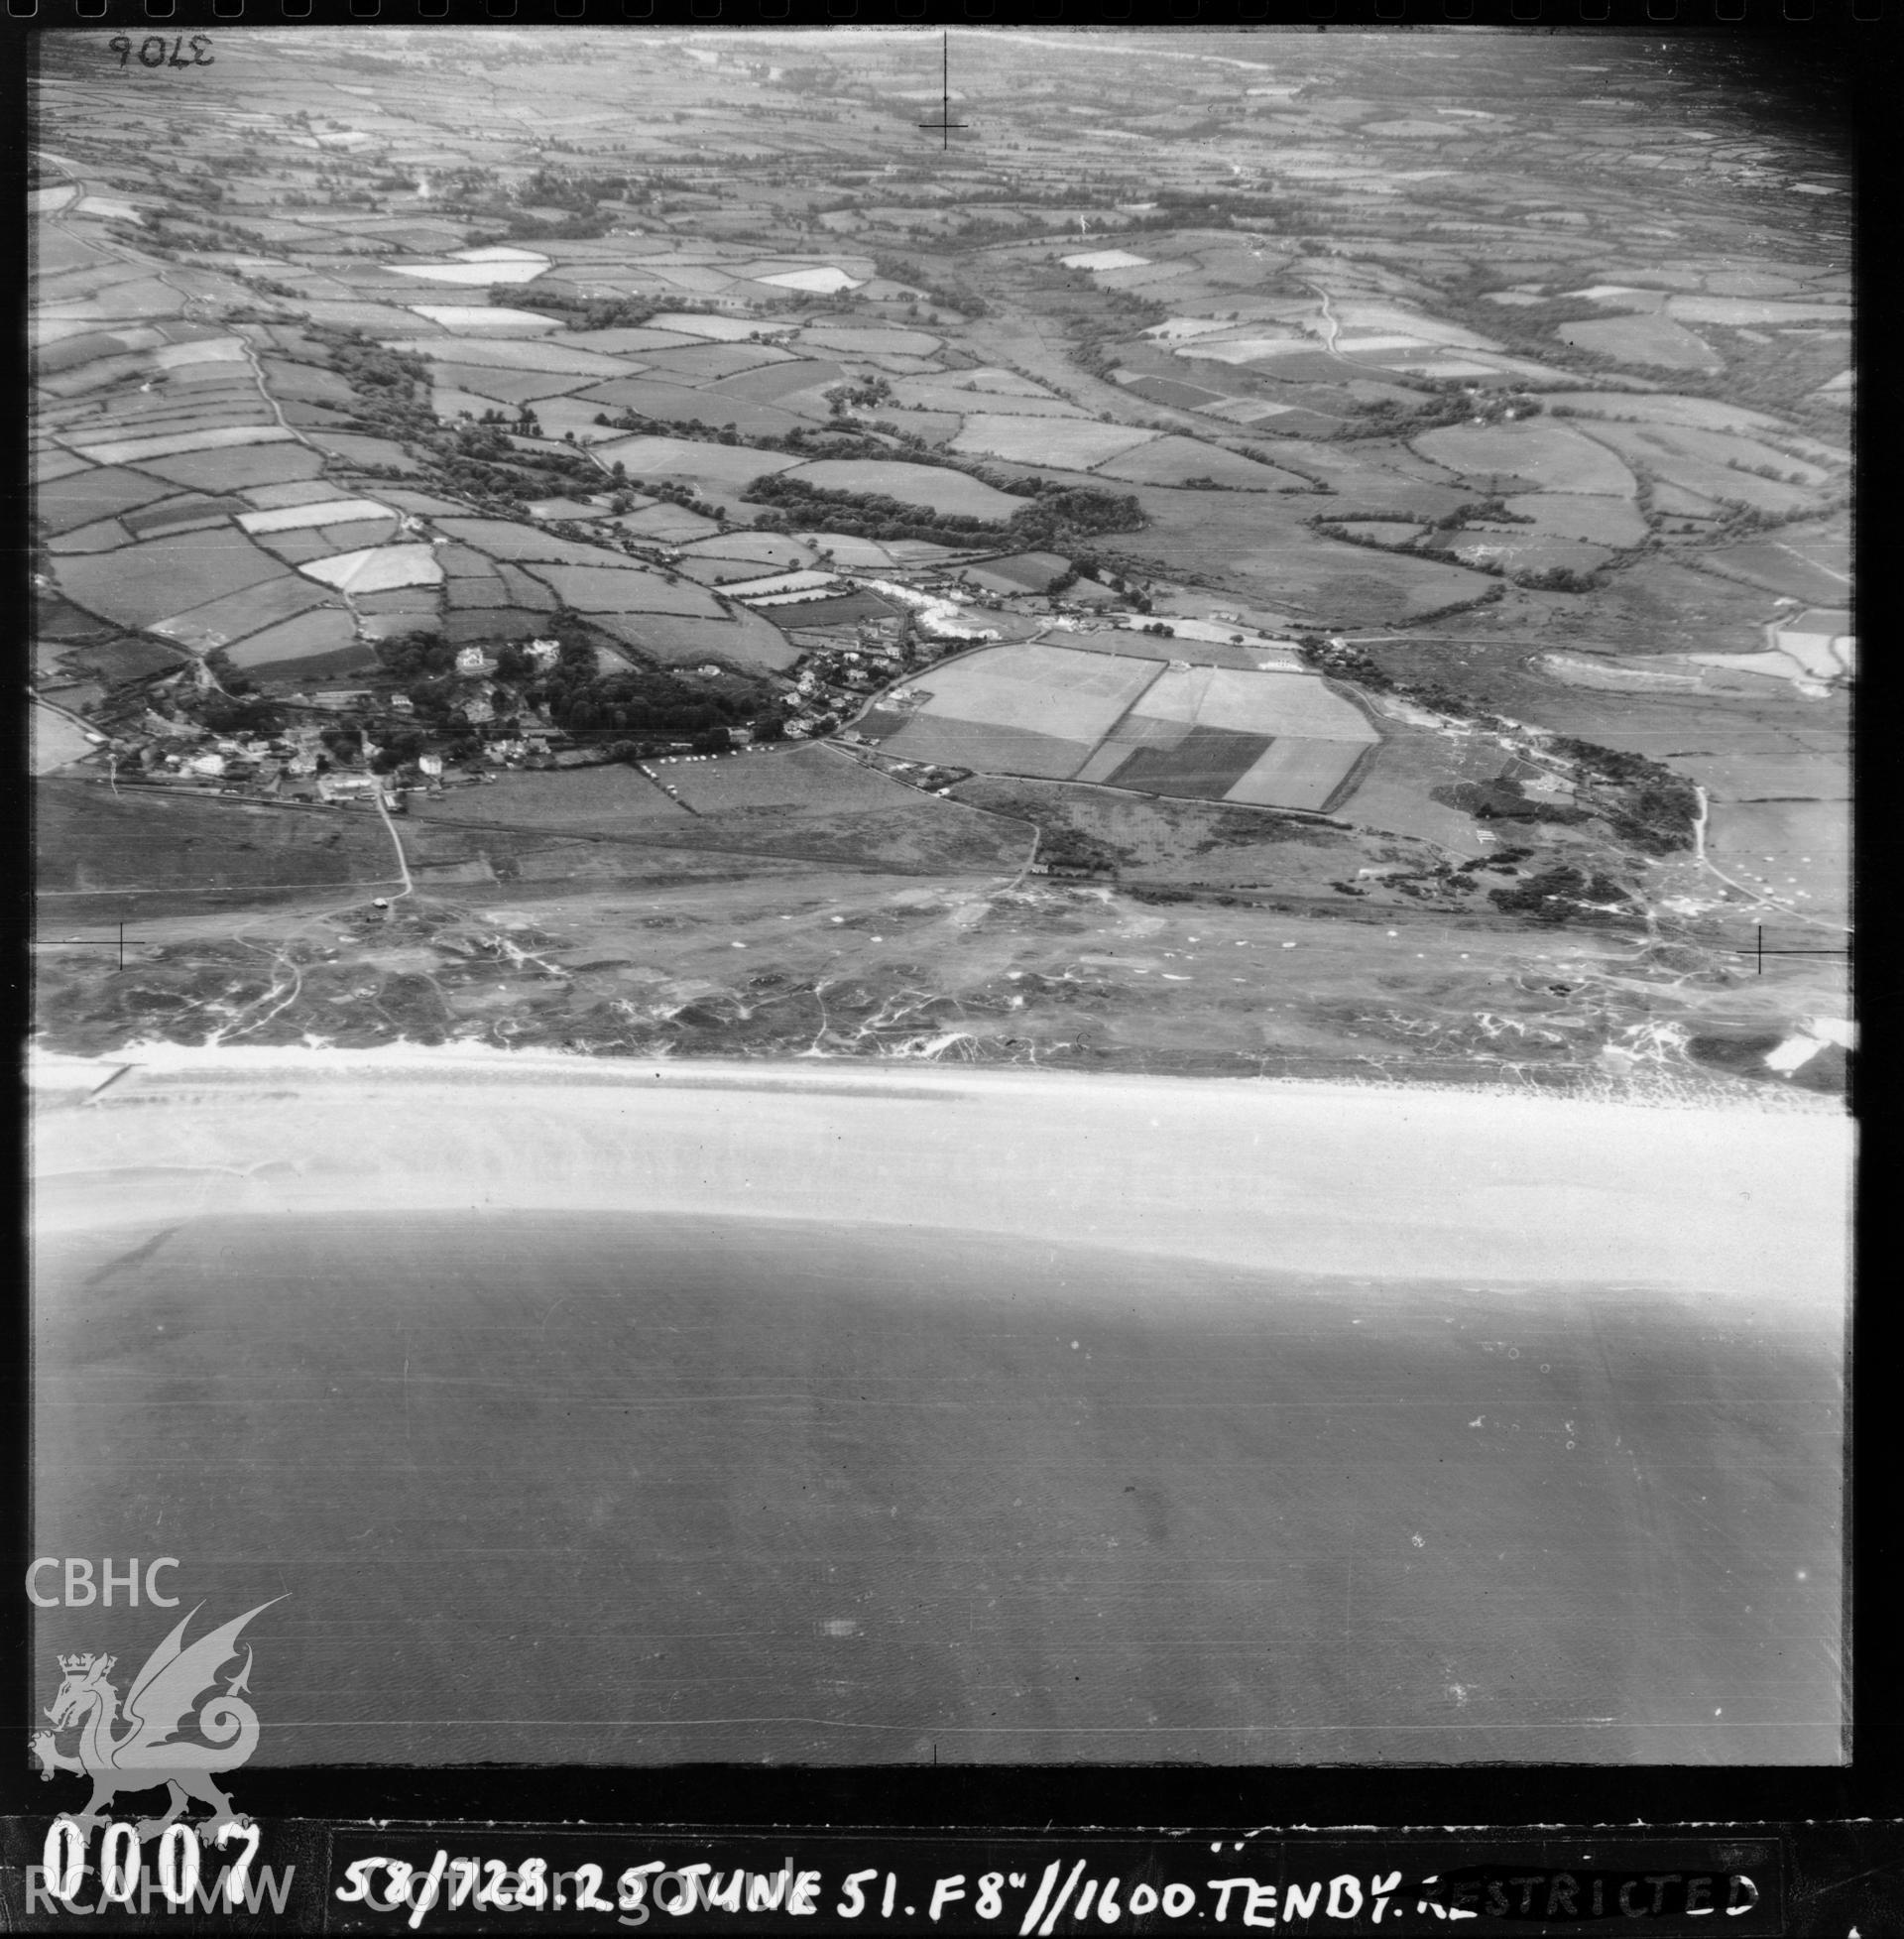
[[1311, 1177]]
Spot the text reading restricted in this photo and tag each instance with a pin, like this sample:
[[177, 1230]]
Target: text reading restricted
[[1063, 1896]]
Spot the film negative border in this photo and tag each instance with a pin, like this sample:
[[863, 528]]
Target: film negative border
[[366, 1876], [1530, 14]]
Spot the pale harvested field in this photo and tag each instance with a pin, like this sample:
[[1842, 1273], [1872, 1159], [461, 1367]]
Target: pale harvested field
[[1295, 704], [1736, 311], [514, 353], [1044, 689], [1248, 349], [477, 274], [1045, 441], [55, 741], [1298, 774], [130, 450], [478, 319], [327, 511]]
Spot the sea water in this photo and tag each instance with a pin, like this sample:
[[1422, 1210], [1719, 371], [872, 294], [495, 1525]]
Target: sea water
[[588, 1488]]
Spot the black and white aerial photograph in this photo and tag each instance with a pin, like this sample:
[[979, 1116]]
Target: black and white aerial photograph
[[907, 897]]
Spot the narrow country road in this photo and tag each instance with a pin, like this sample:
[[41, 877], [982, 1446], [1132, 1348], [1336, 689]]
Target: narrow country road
[[390, 826]]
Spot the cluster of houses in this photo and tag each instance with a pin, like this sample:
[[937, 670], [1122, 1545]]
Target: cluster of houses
[[839, 671], [164, 747], [308, 760]]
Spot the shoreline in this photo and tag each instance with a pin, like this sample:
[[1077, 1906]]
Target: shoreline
[[51, 1071], [1391, 1183]]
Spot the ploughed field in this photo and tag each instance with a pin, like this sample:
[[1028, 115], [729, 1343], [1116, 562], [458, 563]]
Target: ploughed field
[[1270, 739], [578, 1487]]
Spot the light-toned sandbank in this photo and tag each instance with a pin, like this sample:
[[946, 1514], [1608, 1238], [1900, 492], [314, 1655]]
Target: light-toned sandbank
[[1743, 1205]]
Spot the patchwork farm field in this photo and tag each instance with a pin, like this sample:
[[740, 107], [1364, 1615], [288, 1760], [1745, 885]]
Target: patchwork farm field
[[240, 614], [911, 484], [609, 589], [144, 585], [610, 801], [1607, 521], [1182, 460], [1650, 341], [1282, 740], [806, 780], [741, 639], [89, 841], [810, 803], [1275, 561], [1074, 445], [725, 466], [229, 395], [313, 646], [1545, 454]]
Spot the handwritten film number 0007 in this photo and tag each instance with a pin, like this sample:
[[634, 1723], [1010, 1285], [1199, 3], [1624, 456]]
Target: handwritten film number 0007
[[167, 57], [63, 1861]]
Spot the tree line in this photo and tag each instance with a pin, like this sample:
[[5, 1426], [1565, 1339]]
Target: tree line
[[1054, 513]]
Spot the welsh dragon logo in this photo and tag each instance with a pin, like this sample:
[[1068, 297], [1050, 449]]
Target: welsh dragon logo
[[150, 1751]]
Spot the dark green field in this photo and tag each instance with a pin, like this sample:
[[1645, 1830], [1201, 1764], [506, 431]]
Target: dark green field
[[90, 840], [1206, 763]]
